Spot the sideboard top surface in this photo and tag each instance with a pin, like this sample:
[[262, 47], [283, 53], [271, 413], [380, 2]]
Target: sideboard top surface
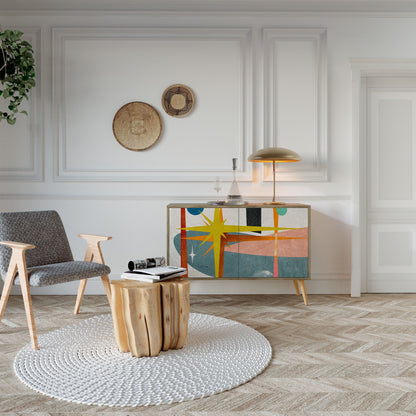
[[247, 205]]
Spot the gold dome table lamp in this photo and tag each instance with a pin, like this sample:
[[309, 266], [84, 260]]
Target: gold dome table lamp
[[274, 154]]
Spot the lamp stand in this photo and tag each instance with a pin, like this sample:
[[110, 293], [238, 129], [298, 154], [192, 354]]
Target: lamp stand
[[273, 201], [274, 182]]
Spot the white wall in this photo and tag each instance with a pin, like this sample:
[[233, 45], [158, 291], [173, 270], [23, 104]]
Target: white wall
[[260, 79]]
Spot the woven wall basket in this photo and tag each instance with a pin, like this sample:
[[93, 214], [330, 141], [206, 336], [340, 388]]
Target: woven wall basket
[[137, 126], [178, 100]]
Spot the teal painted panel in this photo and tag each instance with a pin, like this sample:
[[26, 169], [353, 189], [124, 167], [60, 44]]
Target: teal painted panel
[[248, 265]]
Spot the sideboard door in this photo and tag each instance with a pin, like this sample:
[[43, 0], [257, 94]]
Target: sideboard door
[[274, 242], [202, 239]]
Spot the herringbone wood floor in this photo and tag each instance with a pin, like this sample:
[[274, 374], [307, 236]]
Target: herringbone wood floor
[[339, 356]]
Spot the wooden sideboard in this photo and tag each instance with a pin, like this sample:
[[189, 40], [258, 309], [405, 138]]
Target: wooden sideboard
[[252, 241]]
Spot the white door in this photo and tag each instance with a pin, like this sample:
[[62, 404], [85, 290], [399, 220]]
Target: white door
[[391, 184]]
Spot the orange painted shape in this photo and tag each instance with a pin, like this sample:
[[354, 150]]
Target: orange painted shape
[[292, 243], [222, 244], [184, 248], [275, 251], [275, 268]]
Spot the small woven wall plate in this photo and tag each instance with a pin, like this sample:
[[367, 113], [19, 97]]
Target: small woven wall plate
[[178, 100], [137, 126]]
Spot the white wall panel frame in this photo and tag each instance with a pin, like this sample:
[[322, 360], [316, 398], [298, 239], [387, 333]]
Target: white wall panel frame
[[315, 151], [241, 36], [376, 97], [376, 252], [32, 151]]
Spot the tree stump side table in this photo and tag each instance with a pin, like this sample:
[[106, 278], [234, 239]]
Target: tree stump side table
[[150, 317]]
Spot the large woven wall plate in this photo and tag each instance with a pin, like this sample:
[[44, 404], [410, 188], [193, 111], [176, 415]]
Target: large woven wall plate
[[137, 126], [178, 100]]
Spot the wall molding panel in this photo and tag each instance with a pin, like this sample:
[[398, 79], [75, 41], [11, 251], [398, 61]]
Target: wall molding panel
[[234, 43], [392, 120], [391, 249], [295, 78], [24, 140], [169, 198]]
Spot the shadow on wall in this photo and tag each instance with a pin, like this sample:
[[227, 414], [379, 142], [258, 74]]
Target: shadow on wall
[[330, 245]]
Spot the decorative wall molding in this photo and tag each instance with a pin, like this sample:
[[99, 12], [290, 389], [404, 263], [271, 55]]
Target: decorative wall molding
[[241, 37], [308, 7], [34, 170], [168, 198], [388, 216], [382, 261], [377, 67], [389, 285], [314, 147], [388, 168]]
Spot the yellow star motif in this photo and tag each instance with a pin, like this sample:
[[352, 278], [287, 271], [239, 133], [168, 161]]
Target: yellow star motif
[[215, 229]]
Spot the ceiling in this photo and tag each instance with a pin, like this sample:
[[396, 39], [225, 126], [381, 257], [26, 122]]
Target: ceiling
[[212, 5]]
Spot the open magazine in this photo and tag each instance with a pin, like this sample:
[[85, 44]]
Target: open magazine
[[159, 271], [154, 274]]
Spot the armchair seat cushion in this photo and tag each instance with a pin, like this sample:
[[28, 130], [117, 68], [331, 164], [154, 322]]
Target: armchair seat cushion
[[51, 274]]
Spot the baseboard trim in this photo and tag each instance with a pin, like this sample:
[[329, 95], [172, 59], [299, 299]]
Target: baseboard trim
[[341, 285]]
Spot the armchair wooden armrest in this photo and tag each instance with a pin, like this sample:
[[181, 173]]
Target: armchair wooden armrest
[[93, 247], [18, 246], [94, 238]]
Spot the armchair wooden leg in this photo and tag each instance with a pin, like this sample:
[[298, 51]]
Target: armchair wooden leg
[[93, 252], [24, 282], [107, 287], [18, 263], [81, 289], [8, 283]]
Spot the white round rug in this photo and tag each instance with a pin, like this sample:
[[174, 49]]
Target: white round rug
[[81, 363]]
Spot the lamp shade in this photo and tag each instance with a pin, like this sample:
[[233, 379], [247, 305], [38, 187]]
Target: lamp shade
[[274, 154]]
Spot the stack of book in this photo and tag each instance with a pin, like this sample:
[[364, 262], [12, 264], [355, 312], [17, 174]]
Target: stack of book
[[154, 274]]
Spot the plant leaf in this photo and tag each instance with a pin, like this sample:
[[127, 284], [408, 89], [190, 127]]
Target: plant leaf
[[20, 72]]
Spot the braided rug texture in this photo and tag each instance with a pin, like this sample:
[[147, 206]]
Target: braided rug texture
[[81, 363]]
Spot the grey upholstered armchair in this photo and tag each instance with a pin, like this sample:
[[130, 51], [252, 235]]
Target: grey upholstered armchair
[[48, 259]]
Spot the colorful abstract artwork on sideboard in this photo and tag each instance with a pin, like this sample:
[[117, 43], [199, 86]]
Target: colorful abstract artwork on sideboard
[[271, 242]]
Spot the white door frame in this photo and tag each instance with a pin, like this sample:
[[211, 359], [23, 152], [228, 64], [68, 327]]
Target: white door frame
[[361, 70]]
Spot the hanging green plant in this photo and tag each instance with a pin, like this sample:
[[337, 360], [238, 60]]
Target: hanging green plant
[[17, 73]]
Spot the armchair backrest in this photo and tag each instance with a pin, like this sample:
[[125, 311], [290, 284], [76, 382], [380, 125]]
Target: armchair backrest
[[44, 229]]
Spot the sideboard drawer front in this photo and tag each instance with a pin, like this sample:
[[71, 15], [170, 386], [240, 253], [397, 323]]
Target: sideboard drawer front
[[240, 242]]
